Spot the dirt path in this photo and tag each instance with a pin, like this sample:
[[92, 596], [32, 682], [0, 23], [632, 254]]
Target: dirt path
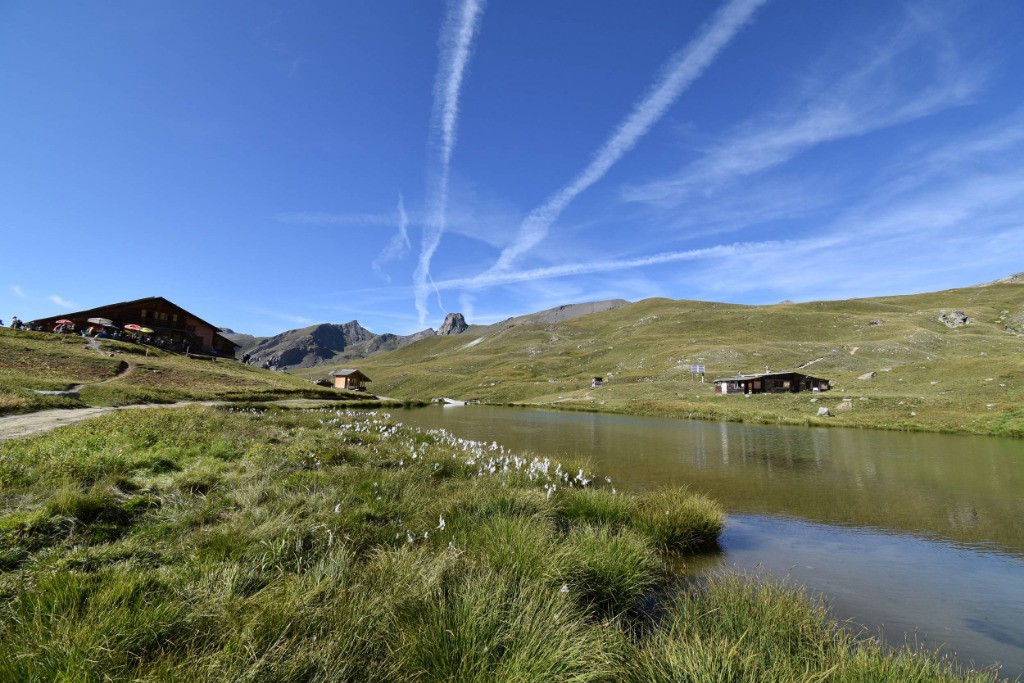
[[126, 367], [18, 426]]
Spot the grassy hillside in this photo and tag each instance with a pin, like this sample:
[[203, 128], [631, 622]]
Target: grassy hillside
[[928, 376], [117, 374]]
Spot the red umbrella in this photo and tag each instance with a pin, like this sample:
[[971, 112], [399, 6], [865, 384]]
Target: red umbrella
[[133, 327], [65, 321]]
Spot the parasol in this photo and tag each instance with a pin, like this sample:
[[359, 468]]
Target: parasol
[[138, 328], [65, 321], [105, 322]]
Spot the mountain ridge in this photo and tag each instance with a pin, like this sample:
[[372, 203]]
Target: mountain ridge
[[332, 343]]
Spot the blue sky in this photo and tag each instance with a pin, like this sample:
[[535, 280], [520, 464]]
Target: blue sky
[[274, 164]]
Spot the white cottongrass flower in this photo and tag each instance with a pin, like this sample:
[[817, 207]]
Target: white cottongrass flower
[[440, 523]]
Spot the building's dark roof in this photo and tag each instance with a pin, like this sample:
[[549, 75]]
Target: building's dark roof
[[89, 312], [762, 375], [348, 372]]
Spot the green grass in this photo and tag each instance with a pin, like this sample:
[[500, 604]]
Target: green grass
[[255, 543], [124, 374], [928, 377], [749, 628]]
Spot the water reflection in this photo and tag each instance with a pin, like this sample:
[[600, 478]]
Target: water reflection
[[955, 488], [935, 594]]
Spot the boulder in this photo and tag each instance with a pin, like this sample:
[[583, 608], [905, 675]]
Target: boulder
[[874, 322], [453, 323], [847, 404], [867, 375], [954, 319], [823, 412]]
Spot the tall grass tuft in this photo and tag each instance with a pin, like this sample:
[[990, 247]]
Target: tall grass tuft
[[744, 628], [679, 521], [487, 626], [610, 570]]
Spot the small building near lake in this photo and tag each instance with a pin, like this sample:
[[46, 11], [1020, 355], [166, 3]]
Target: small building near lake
[[350, 379], [597, 382], [770, 383], [170, 322]]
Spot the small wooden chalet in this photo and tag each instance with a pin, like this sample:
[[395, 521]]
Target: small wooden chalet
[[170, 323], [597, 383], [350, 379], [770, 383]]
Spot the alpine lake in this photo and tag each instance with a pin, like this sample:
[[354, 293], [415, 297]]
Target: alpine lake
[[918, 537]]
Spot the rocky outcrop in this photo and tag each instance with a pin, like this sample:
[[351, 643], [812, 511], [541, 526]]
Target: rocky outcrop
[[454, 323], [954, 319], [1015, 279]]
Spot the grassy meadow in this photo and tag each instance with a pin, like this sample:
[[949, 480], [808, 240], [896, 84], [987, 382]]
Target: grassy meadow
[[122, 374], [928, 376], [264, 544]]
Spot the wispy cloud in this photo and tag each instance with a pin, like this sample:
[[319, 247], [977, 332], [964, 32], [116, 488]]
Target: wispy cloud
[[490, 279], [399, 245], [996, 145], [18, 291], [682, 70], [61, 301], [885, 90], [455, 42]]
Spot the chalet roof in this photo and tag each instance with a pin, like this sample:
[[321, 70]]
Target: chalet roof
[[348, 372], [89, 313], [762, 375]]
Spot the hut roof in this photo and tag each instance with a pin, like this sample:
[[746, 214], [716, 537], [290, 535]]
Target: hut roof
[[349, 372], [762, 375]]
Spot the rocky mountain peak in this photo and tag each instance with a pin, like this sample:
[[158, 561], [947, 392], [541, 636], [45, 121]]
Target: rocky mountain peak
[[454, 323]]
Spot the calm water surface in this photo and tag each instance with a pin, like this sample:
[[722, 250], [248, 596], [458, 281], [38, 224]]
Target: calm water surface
[[919, 534]]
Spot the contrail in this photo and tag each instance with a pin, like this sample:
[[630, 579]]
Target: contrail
[[455, 42], [682, 70], [490, 279], [399, 245]]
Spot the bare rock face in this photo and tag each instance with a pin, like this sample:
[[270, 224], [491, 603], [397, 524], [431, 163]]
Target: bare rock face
[[954, 319], [453, 323]]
